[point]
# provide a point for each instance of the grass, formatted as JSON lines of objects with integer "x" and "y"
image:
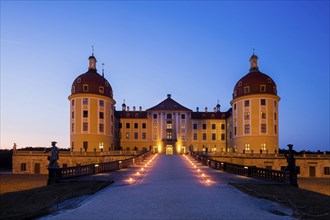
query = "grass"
{"x": 27, "y": 204}
{"x": 304, "y": 203}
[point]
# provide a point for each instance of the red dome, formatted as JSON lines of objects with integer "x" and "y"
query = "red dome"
{"x": 255, "y": 82}
{"x": 91, "y": 82}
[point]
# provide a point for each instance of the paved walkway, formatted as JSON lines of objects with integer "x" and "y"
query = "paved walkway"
{"x": 171, "y": 188}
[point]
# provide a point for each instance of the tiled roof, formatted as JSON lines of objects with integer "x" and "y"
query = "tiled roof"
{"x": 131, "y": 114}
{"x": 169, "y": 105}
{"x": 210, "y": 115}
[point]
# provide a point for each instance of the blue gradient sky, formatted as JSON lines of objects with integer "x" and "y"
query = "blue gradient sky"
{"x": 196, "y": 51}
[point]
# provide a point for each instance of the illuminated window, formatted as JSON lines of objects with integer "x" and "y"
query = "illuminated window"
{"x": 263, "y": 146}
{"x": 154, "y": 135}
{"x": 127, "y": 135}
{"x": 262, "y": 88}
{"x": 101, "y": 103}
{"x": 262, "y": 101}
{"x": 246, "y": 103}
{"x": 263, "y": 128}
{"x": 101, "y": 127}
{"x": 168, "y": 125}
{"x": 247, "y": 115}
{"x": 247, "y": 129}
{"x": 101, "y": 89}
{"x": 85, "y": 126}
{"x": 183, "y": 125}
{"x": 85, "y": 114}
{"x": 101, "y": 115}
{"x": 169, "y": 135}
{"x": 263, "y": 115}
{"x": 246, "y": 89}
{"x": 155, "y": 125}
{"x": 85, "y": 101}
{"x": 85, "y": 88}
{"x": 195, "y": 136}
{"x": 183, "y": 136}
{"x": 247, "y": 147}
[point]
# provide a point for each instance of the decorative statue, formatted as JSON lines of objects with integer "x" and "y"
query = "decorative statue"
{"x": 14, "y": 147}
{"x": 53, "y": 156}
{"x": 290, "y": 158}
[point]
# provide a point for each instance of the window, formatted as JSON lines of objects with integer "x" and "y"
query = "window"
{"x": 169, "y": 135}
{"x": 213, "y": 126}
{"x": 73, "y": 90}
{"x": 247, "y": 129}
{"x": 263, "y": 128}
{"x": 85, "y": 101}
{"x": 168, "y": 125}
{"x": 262, "y": 101}
{"x": 247, "y": 115}
{"x": 136, "y": 135}
{"x": 155, "y": 116}
{"x": 247, "y": 147}
{"x": 263, "y": 115}
{"x": 235, "y": 93}
{"x": 78, "y": 80}
{"x": 128, "y": 125}
{"x": 246, "y": 103}
{"x": 204, "y": 136}
{"x": 72, "y": 127}
{"x": 144, "y": 125}
{"x": 326, "y": 170}
{"x": 85, "y": 88}
{"x": 246, "y": 89}
{"x": 274, "y": 90}
{"x": 214, "y": 137}
{"x": 235, "y": 130}
{"x": 85, "y": 126}
{"x": 127, "y": 135}
{"x": 155, "y": 125}
{"x": 72, "y": 114}
{"x": 204, "y": 126}
{"x": 275, "y": 116}
{"x": 275, "y": 129}
{"x": 72, "y": 102}
{"x": 275, "y": 103}
{"x": 23, "y": 166}
{"x": 85, "y": 144}
{"x": 120, "y": 136}
{"x": 144, "y": 135}
{"x": 65, "y": 165}
{"x": 183, "y": 116}
{"x": 183, "y": 126}
{"x": 154, "y": 136}
{"x": 85, "y": 114}
{"x": 101, "y": 127}
{"x": 222, "y": 126}
{"x": 101, "y": 103}
{"x": 101, "y": 89}
{"x": 269, "y": 80}
{"x": 195, "y": 136}
{"x": 235, "y": 106}
{"x": 263, "y": 146}
{"x": 195, "y": 126}
{"x": 262, "y": 88}
{"x": 223, "y": 137}
{"x": 101, "y": 115}
{"x": 169, "y": 116}
{"x": 183, "y": 136}
{"x": 120, "y": 125}
{"x": 136, "y": 125}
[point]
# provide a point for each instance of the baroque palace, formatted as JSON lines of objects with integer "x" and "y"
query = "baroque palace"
{"x": 169, "y": 127}
{"x": 245, "y": 134}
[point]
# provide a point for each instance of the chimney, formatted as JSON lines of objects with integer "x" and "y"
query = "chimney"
{"x": 140, "y": 108}
{"x": 128, "y": 108}
{"x": 205, "y": 109}
{"x": 133, "y": 108}
{"x": 197, "y": 109}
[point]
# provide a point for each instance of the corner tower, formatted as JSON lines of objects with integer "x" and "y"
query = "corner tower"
{"x": 91, "y": 112}
{"x": 255, "y": 112}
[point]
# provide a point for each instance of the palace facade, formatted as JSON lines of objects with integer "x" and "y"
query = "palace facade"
{"x": 250, "y": 125}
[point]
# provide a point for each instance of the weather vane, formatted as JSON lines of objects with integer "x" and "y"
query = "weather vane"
{"x": 92, "y": 50}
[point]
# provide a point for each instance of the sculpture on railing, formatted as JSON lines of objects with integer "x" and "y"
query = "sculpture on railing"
{"x": 291, "y": 170}
{"x": 54, "y": 156}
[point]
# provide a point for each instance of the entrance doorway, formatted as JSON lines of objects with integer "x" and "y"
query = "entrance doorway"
{"x": 312, "y": 171}
{"x": 37, "y": 168}
{"x": 169, "y": 150}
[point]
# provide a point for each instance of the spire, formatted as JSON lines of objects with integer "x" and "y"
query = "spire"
{"x": 123, "y": 105}
{"x": 92, "y": 61}
{"x": 103, "y": 70}
{"x": 254, "y": 62}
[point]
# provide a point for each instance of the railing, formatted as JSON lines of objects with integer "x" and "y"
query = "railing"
{"x": 85, "y": 170}
{"x": 250, "y": 171}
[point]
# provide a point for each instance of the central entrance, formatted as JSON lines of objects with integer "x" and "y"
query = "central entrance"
{"x": 169, "y": 150}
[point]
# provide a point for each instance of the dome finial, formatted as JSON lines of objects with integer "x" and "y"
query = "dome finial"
{"x": 254, "y": 61}
{"x": 92, "y": 61}
{"x": 92, "y": 50}
{"x": 103, "y": 69}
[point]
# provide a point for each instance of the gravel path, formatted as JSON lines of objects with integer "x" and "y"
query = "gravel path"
{"x": 171, "y": 188}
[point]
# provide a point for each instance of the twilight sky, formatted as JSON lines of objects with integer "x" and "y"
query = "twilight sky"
{"x": 196, "y": 51}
